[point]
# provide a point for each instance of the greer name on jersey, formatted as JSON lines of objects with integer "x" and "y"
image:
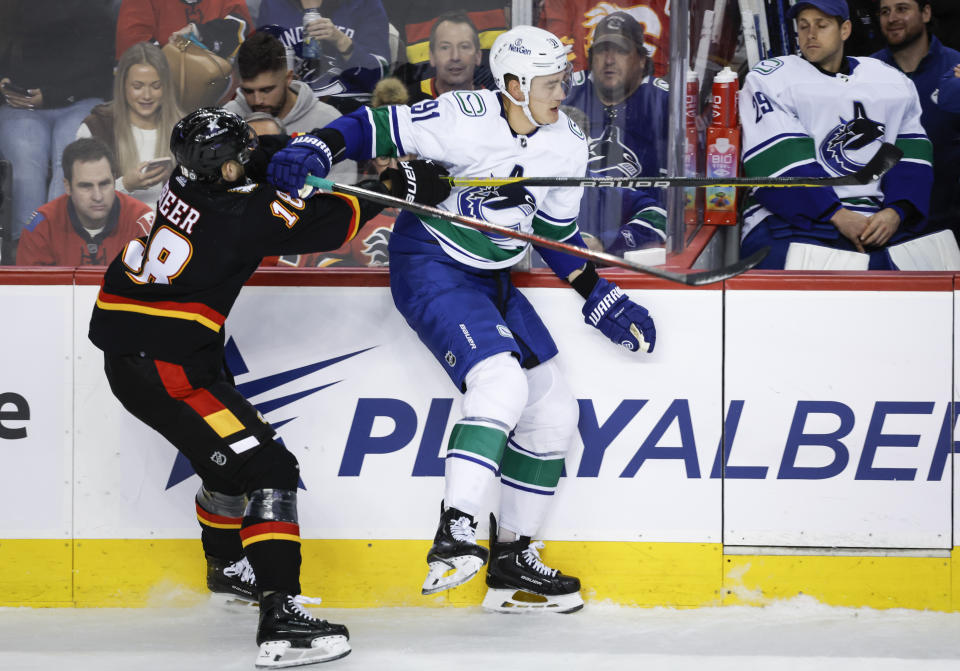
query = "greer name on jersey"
{"x": 468, "y": 133}
{"x": 801, "y": 121}
{"x": 168, "y": 294}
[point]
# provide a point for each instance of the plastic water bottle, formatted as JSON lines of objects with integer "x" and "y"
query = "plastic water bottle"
{"x": 724, "y": 92}
{"x": 311, "y": 46}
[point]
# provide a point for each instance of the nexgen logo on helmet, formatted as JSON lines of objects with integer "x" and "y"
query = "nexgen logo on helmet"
{"x": 519, "y": 48}
{"x": 526, "y": 52}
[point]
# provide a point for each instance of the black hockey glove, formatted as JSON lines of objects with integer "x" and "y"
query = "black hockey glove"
{"x": 423, "y": 182}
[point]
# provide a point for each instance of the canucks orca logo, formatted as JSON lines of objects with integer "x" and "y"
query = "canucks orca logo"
{"x": 852, "y": 143}
{"x": 507, "y": 205}
{"x": 611, "y": 157}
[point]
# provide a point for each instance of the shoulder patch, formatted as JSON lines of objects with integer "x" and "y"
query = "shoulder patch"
{"x": 470, "y": 102}
{"x": 35, "y": 220}
{"x": 246, "y": 188}
{"x": 767, "y": 66}
{"x": 575, "y": 129}
{"x": 661, "y": 83}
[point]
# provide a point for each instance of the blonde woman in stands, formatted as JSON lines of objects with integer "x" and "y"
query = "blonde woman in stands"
{"x": 137, "y": 123}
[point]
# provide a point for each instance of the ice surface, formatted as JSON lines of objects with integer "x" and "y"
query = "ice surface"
{"x": 795, "y": 634}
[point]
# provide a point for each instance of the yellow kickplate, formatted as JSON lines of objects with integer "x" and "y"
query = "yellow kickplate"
{"x": 875, "y": 582}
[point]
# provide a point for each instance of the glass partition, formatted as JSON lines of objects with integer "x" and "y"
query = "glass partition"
{"x": 652, "y": 88}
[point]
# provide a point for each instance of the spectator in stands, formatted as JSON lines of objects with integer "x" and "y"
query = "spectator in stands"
{"x": 415, "y": 21}
{"x": 267, "y": 85}
{"x": 56, "y": 61}
{"x": 220, "y": 25}
{"x": 91, "y": 223}
{"x": 574, "y": 21}
{"x": 824, "y": 115}
{"x": 627, "y": 114}
{"x": 455, "y": 55}
{"x": 137, "y": 123}
{"x": 913, "y": 50}
{"x": 353, "y": 37}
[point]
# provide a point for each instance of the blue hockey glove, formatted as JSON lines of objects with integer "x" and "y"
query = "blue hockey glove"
{"x": 619, "y": 318}
{"x": 289, "y": 167}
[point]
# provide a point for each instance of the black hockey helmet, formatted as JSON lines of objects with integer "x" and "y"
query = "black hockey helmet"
{"x": 206, "y": 138}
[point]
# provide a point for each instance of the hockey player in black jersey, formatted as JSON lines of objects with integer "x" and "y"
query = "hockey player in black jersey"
{"x": 159, "y": 320}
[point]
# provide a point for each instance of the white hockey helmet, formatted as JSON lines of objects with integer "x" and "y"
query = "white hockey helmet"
{"x": 526, "y": 52}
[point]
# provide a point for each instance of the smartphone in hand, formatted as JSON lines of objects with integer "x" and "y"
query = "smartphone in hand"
{"x": 156, "y": 162}
{"x": 10, "y": 87}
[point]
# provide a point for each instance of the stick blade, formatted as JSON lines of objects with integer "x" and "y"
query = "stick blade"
{"x": 725, "y": 273}
{"x": 886, "y": 157}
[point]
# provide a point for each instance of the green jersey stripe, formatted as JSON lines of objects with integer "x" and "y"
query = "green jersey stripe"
{"x": 383, "y": 137}
{"x": 780, "y": 156}
{"x": 553, "y": 231}
{"x": 918, "y": 148}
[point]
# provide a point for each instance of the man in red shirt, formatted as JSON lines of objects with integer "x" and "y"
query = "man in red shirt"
{"x": 91, "y": 223}
{"x": 219, "y": 24}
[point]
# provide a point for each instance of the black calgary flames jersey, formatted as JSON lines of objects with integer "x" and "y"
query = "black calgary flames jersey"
{"x": 168, "y": 294}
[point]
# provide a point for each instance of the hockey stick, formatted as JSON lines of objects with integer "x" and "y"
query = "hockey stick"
{"x": 885, "y": 158}
{"x": 690, "y": 279}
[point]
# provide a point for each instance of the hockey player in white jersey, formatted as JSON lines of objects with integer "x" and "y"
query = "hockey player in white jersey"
{"x": 822, "y": 115}
{"x": 453, "y": 286}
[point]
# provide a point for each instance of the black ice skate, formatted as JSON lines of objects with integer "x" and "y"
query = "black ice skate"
{"x": 455, "y": 556}
{"x": 289, "y": 636}
{"x": 519, "y": 582}
{"x": 232, "y": 580}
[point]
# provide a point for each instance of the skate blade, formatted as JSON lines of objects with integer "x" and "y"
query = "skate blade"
{"x": 521, "y": 601}
{"x": 232, "y": 601}
{"x": 463, "y": 569}
{"x": 280, "y": 654}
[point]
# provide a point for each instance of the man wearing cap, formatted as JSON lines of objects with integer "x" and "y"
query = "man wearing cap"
{"x": 574, "y": 21}
{"x": 827, "y": 114}
{"x": 915, "y": 51}
{"x": 627, "y": 113}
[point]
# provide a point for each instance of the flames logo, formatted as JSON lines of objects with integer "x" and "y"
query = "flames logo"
{"x": 375, "y": 246}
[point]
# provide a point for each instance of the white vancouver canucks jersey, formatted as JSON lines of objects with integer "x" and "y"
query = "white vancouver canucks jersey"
{"x": 794, "y": 115}
{"x": 467, "y": 132}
